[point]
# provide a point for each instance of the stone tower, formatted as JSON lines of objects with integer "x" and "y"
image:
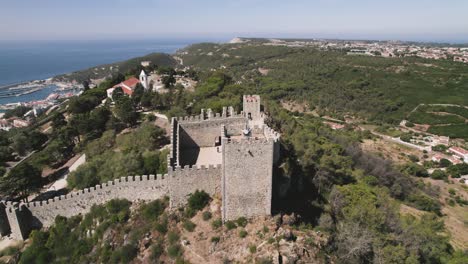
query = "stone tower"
{"x": 144, "y": 80}
{"x": 247, "y": 177}
{"x": 251, "y": 107}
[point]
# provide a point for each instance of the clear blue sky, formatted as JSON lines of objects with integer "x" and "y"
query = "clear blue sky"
{"x": 427, "y": 20}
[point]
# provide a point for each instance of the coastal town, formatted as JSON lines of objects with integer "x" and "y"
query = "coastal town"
{"x": 63, "y": 90}
{"x": 385, "y": 49}
{"x": 59, "y": 92}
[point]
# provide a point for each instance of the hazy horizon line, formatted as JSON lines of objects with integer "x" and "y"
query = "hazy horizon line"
{"x": 227, "y": 38}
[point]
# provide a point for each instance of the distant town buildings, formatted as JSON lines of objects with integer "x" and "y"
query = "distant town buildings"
{"x": 380, "y": 48}
{"x": 460, "y": 152}
{"x": 18, "y": 123}
{"x": 5, "y": 124}
{"x": 440, "y": 140}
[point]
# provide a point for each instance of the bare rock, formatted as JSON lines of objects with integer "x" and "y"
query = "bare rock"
{"x": 286, "y": 233}
{"x": 289, "y": 219}
{"x": 277, "y": 220}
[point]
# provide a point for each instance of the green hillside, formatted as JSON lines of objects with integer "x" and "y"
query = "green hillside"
{"x": 106, "y": 70}
{"x": 380, "y": 89}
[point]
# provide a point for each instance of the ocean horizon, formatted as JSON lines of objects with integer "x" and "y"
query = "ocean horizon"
{"x": 23, "y": 61}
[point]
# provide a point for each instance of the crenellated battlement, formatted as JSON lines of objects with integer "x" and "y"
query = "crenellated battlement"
{"x": 248, "y": 141}
{"x": 132, "y": 188}
{"x": 209, "y": 115}
{"x": 270, "y": 133}
{"x": 196, "y": 167}
{"x": 251, "y": 98}
{"x": 110, "y": 185}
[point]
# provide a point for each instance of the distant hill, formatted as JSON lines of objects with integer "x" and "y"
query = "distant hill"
{"x": 105, "y": 70}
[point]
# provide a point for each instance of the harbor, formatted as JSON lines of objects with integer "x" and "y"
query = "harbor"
{"x": 34, "y": 93}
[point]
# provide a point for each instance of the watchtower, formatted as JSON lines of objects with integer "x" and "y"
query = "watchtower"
{"x": 251, "y": 107}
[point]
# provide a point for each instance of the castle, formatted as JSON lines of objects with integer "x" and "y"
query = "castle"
{"x": 228, "y": 155}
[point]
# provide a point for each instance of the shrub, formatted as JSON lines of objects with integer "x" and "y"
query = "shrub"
{"x": 151, "y": 211}
{"x": 415, "y": 170}
{"x": 438, "y": 175}
{"x": 150, "y": 118}
{"x": 173, "y": 237}
{"x": 124, "y": 255}
{"x": 242, "y": 233}
{"x": 406, "y": 137}
{"x": 215, "y": 239}
{"x": 451, "y": 202}
{"x": 9, "y": 251}
{"x": 423, "y": 202}
{"x": 265, "y": 229}
{"x": 161, "y": 226}
{"x": 174, "y": 251}
{"x": 198, "y": 200}
{"x": 440, "y": 148}
{"x": 230, "y": 225}
{"x": 217, "y": 223}
{"x": 452, "y": 191}
{"x": 413, "y": 158}
{"x": 252, "y": 249}
{"x": 241, "y": 221}
{"x": 206, "y": 216}
{"x": 189, "y": 225}
{"x": 265, "y": 260}
{"x": 271, "y": 240}
{"x": 444, "y": 163}
{"x": 461, "y": 201}
{"x": 189, "y": 212}
{"x": 156, "y": 251}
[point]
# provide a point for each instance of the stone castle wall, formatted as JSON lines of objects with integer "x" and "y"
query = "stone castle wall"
{"x": 203, "y": 133}
{"x": 173, "y": 155}
{"x": 186, "y": 180}
{"x": 247, "y": 178}
{"x": 43, "y": 213}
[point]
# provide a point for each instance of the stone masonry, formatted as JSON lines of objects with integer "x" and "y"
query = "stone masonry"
{"x": 240, "y": 148}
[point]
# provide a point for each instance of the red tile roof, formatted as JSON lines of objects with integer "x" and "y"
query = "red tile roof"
{"x": 127, "y": 91}
{"x": 459, "y": 150}
{"x": 128, "y": 85}
{"x": 132, "y": 82}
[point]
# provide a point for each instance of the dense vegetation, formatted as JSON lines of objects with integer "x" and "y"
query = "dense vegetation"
{"x": 111, "y": 157}
{"x": 381, "y": 89}
{"x": 110, "y": 233}
{"x": 444, "y": 119}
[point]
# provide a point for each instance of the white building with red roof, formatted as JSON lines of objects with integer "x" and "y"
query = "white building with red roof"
{"x": 334, "y": 126}
{"x": 128, "y": 86}
{"x": 460, "y": 152}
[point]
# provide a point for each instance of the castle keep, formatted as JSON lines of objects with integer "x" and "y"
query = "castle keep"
{"x": 229, "y": 155}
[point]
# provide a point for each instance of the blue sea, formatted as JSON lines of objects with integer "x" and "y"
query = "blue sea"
{"x": 37, "y": 60}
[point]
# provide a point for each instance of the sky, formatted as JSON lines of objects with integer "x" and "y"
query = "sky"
{"x": 419, "y": 20}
